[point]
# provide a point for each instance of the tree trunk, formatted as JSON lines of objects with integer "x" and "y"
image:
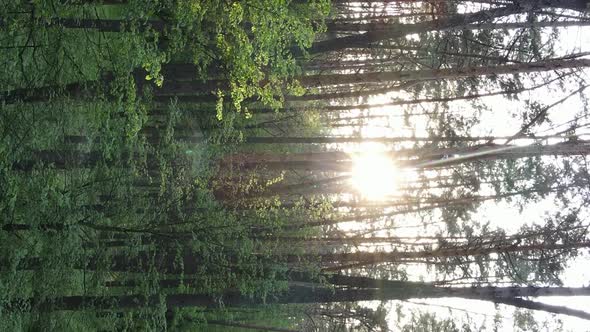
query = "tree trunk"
{"x": 431, "y": 158}
{"x": 437, "y": 74}
{"x": 297, "y": 294}
{"x": 249, "y": 326}
{"x": 482, "y": 250}
{"x": 397, "y": 31}
{"x": 355, "y": 27}
{"x": 532, "y": 305}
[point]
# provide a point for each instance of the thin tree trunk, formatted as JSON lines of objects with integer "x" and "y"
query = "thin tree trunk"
{"x": 353, "y": 139}
{"x": 382, "y": 257}
{"x": 338, "y": 108}
{"x": 355, "y": 27}
{"x": 249, "y": 326}
{"x": 444, "y": 73}
{"x": 532, "y": 305}
{"x": 434, "y": 158}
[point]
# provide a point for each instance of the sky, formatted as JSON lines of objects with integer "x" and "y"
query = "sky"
{"x": 499, "y": 122}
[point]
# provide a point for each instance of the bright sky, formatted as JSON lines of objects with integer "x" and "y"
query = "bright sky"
{"x": 499, "y": 122}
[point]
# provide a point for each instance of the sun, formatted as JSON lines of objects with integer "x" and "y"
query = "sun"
{"x": 373, "y": 176}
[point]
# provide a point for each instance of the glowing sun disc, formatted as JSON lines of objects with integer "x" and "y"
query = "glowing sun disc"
{"x": 373, "y": 176}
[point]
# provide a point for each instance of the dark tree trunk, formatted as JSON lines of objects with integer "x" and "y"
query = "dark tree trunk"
{"x": 396, "y": 31}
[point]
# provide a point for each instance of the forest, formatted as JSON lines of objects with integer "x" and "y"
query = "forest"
{"x": 294, "y": 165}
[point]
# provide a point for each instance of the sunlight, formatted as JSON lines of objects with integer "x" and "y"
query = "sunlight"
{"x": 373, "y": 176}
